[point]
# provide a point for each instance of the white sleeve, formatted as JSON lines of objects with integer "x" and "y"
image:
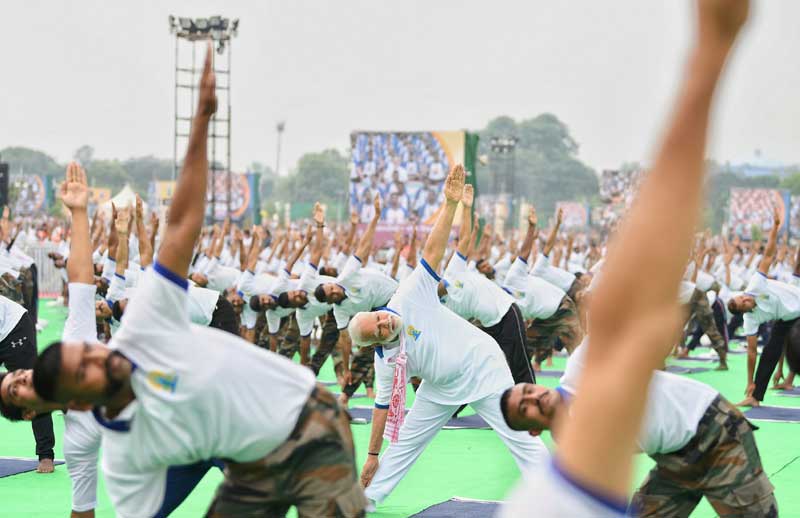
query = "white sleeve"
{"x": 245, "y": 283}
{"x": 160, "y": 307}
{"x": 308, "y": 281}
{"x": 750, "y": 324}
{"x": 116, "y": 290}
{"x": 342, "y": 318}
{"x": 80, "y": 324}
{"x": 517, "y": 274}
{"x": 384, "y": 377}
{"x": 109, "y": 265}
{"x": 757, "y": 284}
{"x": 421, "y": 287}
{"x": 248, "y": 317}
{"x": 458, "y": 264}
{"x": 352, "y": 266}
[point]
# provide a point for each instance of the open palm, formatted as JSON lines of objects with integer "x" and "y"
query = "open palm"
{"x": 74, "y": 190}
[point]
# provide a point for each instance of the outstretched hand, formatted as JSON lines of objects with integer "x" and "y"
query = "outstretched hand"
{"x": 75, "y": 190}
{"x": 468, "y": 196}
{"x": 533, "y": 219}
{"x": 318, "y": 215}
{"x": 454, "y": 184}
{"x": 721, "y": 20}
{"x": 207, "y": 99}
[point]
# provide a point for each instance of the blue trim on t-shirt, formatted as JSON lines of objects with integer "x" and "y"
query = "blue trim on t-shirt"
{"x": 430, "y": 270}
{"x": 764, "y": 274}
{"x": 613, "y": 504}
{"x": 566, "y": 396}
{"x": 461, "y": 256}
{"x": 170, "y": 275}
{"x": 120, "y": 276}
{"x": 524, "y": 261}
{"x": 312, "y": 265}
{"x": 381, "y": 407}
{"x": 240, "y": 293}
{"x": 116, "y": 425}
{"x": 358, "y": 259}
{"x": 384, "y": 308}
{"x": 379, "y": 351}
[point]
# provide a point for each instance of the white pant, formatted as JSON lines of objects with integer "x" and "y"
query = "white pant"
{"x": 82, "y": 436}
{"x": 422, "y": 423}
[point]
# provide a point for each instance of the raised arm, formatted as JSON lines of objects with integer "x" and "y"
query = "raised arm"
{"x": 551, "y": 239}
{"x": 365, "y": 244}
{"x": 797, "y": 261}
{"x": 187, "y": 210}
{"x": 399, "y": 240}
{"x": 319, "y": 239}
{"x": 75, "y": 196}
{"x": 411, "y": 258}
{"x": 437, "y": 239}
{"x": 255, "y": 250}
{"x": 465, "y": 232}
{"x": 772, "y": 242}
{"x": 634, "y": 309}
{"x": 299, "y": 252}
{"x": 145, "y": 244}
{"x": 122, "y": 224}
{"x": 525, "y": 248}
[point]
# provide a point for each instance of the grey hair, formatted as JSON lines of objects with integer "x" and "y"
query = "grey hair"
{"x": 354, "y": 329}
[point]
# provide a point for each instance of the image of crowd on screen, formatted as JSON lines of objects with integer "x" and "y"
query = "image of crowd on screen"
{"x": 406, "y": 170}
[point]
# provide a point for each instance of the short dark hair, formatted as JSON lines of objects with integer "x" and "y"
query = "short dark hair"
{"x": 46, "y": 371}
{"x": 793, "y": 348}
{"x": 734, "y": 308}
{"x": 7, "y": 410}
{"x": 283, "y": 299}
{"x": 116, "y": 311}
{"x": 255, "y": 303}
{"x": 330, "y": 271}
{"x": 504, "y": 407}
{"x": 319, "y": 293}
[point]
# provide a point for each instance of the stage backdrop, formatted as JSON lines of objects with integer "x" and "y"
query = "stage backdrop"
{"x": 407, "y": 170}
{"x": 753, "y": 207}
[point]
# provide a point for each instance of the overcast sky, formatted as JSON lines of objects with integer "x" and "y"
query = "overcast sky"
{"x": 101, "y": 73}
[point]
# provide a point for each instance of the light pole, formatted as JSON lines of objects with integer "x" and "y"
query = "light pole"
{"x": 505, "y": 146}
{"x": 280, "y": 127}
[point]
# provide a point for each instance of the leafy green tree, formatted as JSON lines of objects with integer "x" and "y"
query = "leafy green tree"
{"x": 792, "y": 183}
{"x": 23, "y": 160}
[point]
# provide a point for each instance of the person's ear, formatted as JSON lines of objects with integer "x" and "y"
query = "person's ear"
{"x": 28, "y": 415}
{"x": 534, "y": 433}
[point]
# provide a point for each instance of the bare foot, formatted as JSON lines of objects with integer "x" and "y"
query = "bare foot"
{"x": 783, "y": 386}
{"x": 46, "y": 466}
{"x": 749, "y": 401}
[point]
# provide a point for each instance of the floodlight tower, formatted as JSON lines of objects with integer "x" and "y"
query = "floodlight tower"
{"x": 189, "y": 32}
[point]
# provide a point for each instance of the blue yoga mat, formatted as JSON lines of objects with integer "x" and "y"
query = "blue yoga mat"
{"x": 460, "y": 507}
{"x": 354, "y": 396}
{"x": 795, "y": 392}
{"x": 549, "y": 374}
{"x": 470, "y": 422}
{"x": 14, "y": 466}
{"x": 680, "y": 369}
{"x": 328, "y": 383}
{"x": 363, "y": 415}
{"x": 780, "y": 414}
{"x": 695, "y": 359}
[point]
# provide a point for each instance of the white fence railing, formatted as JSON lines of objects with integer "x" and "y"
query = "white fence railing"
{"x": 50, "y": 280}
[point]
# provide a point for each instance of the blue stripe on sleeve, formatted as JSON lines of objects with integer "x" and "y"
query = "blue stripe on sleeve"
{"x": 430, "y": 270}
{"x": 170, "y": 275}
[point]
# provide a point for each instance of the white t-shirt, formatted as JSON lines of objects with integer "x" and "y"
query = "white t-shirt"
{"x": 81, "y": 324}
{"x": 685, "y": 292}
{"x": 202, "y": 303}
{"x": 535, "y": 297}
{"x": 457, "y": 362}
{"x": 199, "y": 395}
{"x": 775, "y": 300}
{"x": 365, "y": 288}
{"x": 251, "y": 284}
{"x": 220, "y": 277}
{"x": 549, "y": 492}
{"x": 675, "y": 405}
{"x": 555, "y": 276}
{"x": 314, "y": 309}
{"x": 472, "y": 296}
{"x": 10, "y": 315}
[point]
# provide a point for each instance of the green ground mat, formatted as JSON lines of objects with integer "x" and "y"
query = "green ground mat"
{"x": 464, "y": 463}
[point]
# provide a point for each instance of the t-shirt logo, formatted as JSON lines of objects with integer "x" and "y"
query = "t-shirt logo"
{"x": 163, "y": 381}
{"x": 458, "y": 284}
{"x": 413, "y": 332}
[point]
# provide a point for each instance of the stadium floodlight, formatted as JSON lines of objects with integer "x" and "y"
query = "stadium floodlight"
{"x": 186, "y": 24}
{"x": 201, "y": 24}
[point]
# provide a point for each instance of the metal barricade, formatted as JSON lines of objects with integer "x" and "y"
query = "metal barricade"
{"x": 50, "y": 279}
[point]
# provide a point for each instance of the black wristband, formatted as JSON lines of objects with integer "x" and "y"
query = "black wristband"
{"x": 373, "y": 453}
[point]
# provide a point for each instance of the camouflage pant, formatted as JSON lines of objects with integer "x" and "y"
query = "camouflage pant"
{"x": 362, "y": 368}
{"x": 327, "y": 345}
{"x": 721, "y": 462}
{"x": 563, "y": 327}
{"x": 288, "y": 337}
{"x": 11, "y": 289}
{"x": 701, "y": 309}
{"x": 314, "y": 470}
